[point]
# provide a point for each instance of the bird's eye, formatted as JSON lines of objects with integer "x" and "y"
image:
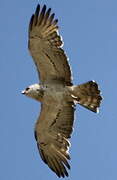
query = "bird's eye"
{"x": 27, "y": 88}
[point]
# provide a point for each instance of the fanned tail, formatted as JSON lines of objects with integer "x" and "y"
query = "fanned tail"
{"x": 87, "y": 95}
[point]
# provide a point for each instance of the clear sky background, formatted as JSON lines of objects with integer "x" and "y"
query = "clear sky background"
{"x": 89, "y": 30}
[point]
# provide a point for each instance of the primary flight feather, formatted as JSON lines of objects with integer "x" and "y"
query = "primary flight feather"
{"x": 57, "y": 94}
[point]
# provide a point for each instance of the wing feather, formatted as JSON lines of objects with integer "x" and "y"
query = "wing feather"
{"x": 53, "y": 142}
{"x": 55, "y": 166}
{"x": 35, "y": 20}
{"x": 45, "y": 47}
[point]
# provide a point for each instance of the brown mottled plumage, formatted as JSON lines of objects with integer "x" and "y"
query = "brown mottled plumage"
{"x": 56, "y": 93}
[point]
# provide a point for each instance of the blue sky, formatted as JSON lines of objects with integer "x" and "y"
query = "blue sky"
{"x": 89, "y": 30}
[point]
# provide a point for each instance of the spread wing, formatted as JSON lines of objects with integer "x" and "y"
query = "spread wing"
{"x": 52, "y": 131}
{"x": 45, "y": 47}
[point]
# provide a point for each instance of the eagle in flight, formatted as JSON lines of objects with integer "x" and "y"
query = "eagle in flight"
{"x": 56, "y": 93}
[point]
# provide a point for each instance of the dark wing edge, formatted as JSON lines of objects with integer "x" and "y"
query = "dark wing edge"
{"x": 45, "y": 47}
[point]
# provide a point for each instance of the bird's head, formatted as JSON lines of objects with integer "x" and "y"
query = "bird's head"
{"x": 34, "y": 91}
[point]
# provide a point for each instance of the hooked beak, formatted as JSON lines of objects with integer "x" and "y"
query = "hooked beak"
{"x": 23, "y": 92}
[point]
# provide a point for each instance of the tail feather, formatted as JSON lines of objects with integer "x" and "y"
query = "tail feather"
{"x": 87, "y": 95}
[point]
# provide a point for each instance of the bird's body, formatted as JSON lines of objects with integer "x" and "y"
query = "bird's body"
{"x": 57, "y": 94}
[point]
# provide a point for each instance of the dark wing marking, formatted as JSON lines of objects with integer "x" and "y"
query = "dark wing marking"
{"x": 52, "y": 131}
{"x": 45, "y": 47}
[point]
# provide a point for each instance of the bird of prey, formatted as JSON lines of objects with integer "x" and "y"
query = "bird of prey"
{"x": 56, "y": 93}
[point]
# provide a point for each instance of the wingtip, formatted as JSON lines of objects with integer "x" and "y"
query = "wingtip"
{"x": 55, "y": 21}
{"x": 49, "y": 10}
{"x": 44, "y": 8}
{"x": 53, "y": 14}
{"x": 31, "y": 22}
{"x": 37, "y": 9}
{"x": 38, "y": 6}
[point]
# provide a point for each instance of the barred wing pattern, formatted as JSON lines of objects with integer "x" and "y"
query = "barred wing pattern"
{"x": 52, "y": 131}
{"x": 45, "y": 47}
